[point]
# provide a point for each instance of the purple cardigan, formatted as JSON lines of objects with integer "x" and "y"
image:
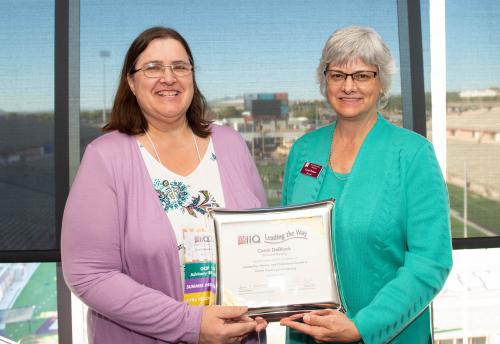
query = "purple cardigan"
{"x": 119, "y": 251}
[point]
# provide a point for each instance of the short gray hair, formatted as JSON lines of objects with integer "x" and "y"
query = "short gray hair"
{"x": 355, "y": 42}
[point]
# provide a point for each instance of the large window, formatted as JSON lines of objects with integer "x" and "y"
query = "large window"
{"x": 466, "y": 309}
{"x": 28, "y": 298}
{"x": 256, "y": 66}
{"x": 473, "y": 117}
{"x": 251, "y": 58}
{"x": 27, "y": 126}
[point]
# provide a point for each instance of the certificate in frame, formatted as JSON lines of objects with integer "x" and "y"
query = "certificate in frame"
{"x": 276, "y": 261}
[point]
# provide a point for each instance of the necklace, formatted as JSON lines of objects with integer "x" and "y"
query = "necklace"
{"x": 156, "y": 151}
{"x": 340, "y": 176}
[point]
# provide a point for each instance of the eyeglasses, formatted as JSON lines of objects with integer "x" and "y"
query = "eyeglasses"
{"x": 157, "y": 70}
{"x": 335, "y": 76}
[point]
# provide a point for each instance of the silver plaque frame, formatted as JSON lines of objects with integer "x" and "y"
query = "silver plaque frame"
{"x": 276, "y": 261}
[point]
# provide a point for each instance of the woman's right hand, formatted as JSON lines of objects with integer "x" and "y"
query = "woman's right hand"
{"x": 225, "y": 325}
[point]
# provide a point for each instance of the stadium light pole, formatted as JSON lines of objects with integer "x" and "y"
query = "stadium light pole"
{"x": 104, "y": 54}
{"x": 466, "y": 234}
{"x": 253, "y": 138}
{"x": 317, "y": 116}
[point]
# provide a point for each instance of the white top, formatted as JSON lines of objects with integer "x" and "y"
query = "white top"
{"x": 185, "y": 200}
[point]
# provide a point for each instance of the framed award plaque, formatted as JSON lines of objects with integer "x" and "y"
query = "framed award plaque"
{"x": 276, "y": 261}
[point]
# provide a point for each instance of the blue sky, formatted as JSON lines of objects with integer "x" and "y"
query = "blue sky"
{"x": 239, "y": 46}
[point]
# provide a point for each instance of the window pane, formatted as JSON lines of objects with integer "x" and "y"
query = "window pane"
{"x": 467, "y": 308}
{"x": 473, "y": 116}
{"x": 27, "y": 125}
{"x": 255, "y": 49}
{"x": 28, "y": 302}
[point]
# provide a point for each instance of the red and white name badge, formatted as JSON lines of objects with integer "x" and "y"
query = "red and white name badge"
{"x": 311, "y": 169}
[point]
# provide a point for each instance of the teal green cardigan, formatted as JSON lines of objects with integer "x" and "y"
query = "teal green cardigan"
{"x": 392, "y": 244}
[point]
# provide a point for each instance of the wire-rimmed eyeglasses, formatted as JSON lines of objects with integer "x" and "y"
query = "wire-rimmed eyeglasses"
{"x": 157, "y": 70}
{"x": 336, "y": 76}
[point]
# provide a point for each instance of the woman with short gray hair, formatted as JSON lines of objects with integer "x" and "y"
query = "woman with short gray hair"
{"x": 391, "y": 243}
{"x": 363, "y": 43}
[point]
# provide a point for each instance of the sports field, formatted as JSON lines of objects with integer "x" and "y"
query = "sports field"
{"x": 482, "y": 161}
{"x": 482, "y": 213}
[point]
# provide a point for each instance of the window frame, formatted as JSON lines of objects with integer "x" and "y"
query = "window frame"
{"x": 67, "y": 129}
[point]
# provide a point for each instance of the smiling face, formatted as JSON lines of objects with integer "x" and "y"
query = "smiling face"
{"x": 164, "y": 101}
{"x": 354, "y": 99}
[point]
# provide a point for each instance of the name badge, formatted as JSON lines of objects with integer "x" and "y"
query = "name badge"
{"x": 311, "y": 169}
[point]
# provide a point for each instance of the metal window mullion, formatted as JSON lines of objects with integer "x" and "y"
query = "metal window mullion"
{"x": 412, "y": 66}
{"x": 66, "y": 132}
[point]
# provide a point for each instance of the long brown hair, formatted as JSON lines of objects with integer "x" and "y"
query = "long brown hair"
{"x": 126, "y": 115}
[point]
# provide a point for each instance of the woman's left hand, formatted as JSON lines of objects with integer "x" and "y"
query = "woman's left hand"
{"x": 261, "y": 324}
{"x": 324, "y": 326}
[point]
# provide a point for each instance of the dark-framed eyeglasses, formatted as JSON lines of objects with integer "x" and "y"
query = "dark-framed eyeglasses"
{"x": 157, "y": 70}
{"x": 336, "y": 76}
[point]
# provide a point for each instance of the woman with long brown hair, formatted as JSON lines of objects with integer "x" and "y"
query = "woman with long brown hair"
{"x": 136, "y": 245}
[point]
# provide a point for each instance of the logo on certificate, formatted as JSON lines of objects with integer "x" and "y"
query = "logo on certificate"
{"x": 248, "y": 239}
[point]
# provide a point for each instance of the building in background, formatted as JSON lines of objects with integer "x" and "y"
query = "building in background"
{"x": 267, "y": 106}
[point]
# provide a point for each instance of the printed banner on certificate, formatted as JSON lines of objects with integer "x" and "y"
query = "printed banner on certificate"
{"x": 276, "y": 260}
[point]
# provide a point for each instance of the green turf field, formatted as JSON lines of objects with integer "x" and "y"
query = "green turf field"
{"x": 41, "y": 292}
{"x": 481, "y": 210}
{"x": 272, "y": 176}
{"x": 457, "y": 230}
